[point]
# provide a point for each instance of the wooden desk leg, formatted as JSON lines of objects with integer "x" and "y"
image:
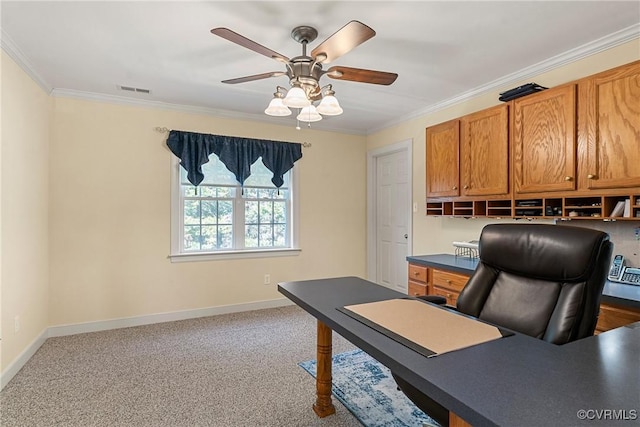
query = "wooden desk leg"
{"x": 323, "y": 406}
{"x": 456, "y": 421}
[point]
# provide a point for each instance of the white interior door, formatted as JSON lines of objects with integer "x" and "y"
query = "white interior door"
{"x": 391, "y": 217}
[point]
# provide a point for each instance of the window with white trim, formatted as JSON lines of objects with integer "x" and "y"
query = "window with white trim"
{"x": 220, "y": 217}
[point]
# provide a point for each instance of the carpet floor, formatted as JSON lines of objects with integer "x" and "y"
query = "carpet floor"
{"x": 229, "y": 370}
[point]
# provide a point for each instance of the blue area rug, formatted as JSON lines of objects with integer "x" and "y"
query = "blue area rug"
{"x": 367, "y": 389}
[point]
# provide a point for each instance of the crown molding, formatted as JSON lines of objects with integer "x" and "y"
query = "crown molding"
{"x": 225, "y": 114}
{"x": 9, "y": 46}
{"x": 596, "y": 46}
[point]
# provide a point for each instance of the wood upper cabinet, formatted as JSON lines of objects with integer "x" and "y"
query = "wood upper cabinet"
{"x": 484, "y": 152}
{"x": 544, "y": 142}
{"x": 610, "y": 128}
{"x": 442, "y": 159}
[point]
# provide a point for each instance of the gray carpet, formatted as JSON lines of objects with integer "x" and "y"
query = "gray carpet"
{"x": 229, "y": 370}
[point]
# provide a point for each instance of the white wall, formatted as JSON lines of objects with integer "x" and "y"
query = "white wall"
{"x": 24, "y": 267}
{"x": 435, "y": 234}
{"x": 110, "y": 216}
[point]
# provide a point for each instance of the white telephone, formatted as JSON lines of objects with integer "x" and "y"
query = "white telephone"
{"x": 620, "y": 273}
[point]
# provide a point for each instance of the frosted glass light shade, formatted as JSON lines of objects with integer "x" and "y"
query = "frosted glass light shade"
{"x": 309, "y": 114}
{"x": 296, "y": 98}
{"x": 277, "y": 108}
{"x": 329, "y": 106}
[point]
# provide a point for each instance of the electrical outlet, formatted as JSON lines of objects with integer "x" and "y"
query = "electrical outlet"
{"x": 267, "y": 279}
{"x": 16, "y": 324}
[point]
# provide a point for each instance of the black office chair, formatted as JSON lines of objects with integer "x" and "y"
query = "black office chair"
{"x": 541, "y": 280}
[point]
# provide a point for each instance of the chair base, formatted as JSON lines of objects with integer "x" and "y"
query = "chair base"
{"x": 427, "y": 405}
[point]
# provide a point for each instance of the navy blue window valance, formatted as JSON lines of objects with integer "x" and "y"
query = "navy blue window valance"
{"x": 237, "y": 154}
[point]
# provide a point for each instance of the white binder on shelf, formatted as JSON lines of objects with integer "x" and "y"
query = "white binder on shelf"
{"x": 618, "y": 210}
{"x": 627, "y": 208}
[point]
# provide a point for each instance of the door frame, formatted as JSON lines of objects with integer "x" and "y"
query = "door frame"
{"x": 405, "y": 146}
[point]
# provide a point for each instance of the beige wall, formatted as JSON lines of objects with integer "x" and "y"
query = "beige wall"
{"x": 110, "y": 216}
{"x": 24, "y": 285}
{"x": 434, "y": 235}
{"x": 86, "y": 198}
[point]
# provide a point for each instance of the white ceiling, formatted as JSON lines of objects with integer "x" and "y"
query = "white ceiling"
{"x": 442, "y": 51}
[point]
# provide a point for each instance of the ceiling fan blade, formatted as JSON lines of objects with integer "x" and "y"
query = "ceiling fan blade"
{"x": 236, "y": 38}
{"x": 361, "y": 75}
{"x": 342, "y": 41}
{"x": 255, "y": 77}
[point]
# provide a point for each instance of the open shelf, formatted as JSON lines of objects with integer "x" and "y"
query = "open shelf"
{"x": 564, "y": 208}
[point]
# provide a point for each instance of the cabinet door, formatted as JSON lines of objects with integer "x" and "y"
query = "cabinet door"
{"x": 484, "y": 152}
{"x": 612, "y": 316}
{"x": 442, "y": 162}
{"x": 544, "y": 143}
{"x": 610, "y": 122}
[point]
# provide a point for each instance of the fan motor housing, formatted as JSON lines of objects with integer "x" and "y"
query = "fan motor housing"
{"x": 305, "y": 71}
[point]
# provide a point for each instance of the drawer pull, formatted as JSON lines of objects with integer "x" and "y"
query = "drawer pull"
{"x": 591, "y": 176}
{"x": 416, "y": 273}
{"x": 448, "y": 281}
{"x": 568, "y": 178}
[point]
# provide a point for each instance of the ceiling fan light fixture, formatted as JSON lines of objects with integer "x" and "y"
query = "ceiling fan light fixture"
{"x": 276, "y": 108}
{"x": 305, "y": 71}
{"x": 309, "y": 114}
{"x": 296, "y": 98}
{"x": 329, "y": 106}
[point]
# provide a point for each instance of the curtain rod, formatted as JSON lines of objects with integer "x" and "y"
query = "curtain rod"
{"x": 165, "y": 130}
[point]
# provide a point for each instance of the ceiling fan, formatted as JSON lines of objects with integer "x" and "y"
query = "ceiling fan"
{"x": 305, "y": 71}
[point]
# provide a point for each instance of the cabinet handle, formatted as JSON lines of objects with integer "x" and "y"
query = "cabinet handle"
{"x": 448, "y": 281}
{"x": 591, "y": 176}
{"x": 416, "y": 273}
{"x": 466, "y": 187}
{"x": 455, "y": 187}
{"x": 568, "y": 178}
{"x": 448, "y": 295}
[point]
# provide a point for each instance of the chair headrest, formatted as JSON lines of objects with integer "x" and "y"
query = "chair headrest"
{"x": 542, "y": 251}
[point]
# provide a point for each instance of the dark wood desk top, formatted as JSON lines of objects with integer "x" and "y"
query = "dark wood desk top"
{"x": 514, "y": 381}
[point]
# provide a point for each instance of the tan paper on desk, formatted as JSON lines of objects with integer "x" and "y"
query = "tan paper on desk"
{"x": 430, "y": 327}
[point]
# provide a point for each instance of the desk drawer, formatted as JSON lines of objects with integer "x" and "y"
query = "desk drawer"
{"x": 612, "y": 317}
{"x": 447, "y": 280}
{"x": 417, "y": 273}
{"x": 451, "y": 296}
{"x": 417, "y": 288}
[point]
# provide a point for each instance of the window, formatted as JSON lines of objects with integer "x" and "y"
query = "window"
{"x": 221, "y": 218}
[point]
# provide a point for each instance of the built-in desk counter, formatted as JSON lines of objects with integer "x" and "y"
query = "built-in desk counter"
{"x": 445, "y": 274}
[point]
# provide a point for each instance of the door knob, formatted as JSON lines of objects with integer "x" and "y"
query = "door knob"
{"x": 406, "y": 236}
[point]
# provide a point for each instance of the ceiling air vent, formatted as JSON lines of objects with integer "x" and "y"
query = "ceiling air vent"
{"x": 133, "y": 89}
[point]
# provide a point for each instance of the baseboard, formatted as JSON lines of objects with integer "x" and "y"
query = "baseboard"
{"x": 127, "y": 322}
{"x": 103, "y": 325}
{"x": 22, "y": 359}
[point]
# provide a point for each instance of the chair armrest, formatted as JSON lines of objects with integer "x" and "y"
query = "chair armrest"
{"x": 436, "y": 299}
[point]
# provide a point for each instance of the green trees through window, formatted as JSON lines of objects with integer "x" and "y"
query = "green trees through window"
{"x": 220, "y": 215}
